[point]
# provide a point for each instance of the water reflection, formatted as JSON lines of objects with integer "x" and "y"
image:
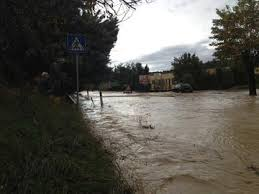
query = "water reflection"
{"x": 205, "y": 142}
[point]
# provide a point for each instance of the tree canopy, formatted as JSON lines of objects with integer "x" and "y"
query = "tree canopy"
{"x": 187, "y": 68}
{"x": 128, "y": 75}
{"x": 33, "y": 34}
{"x": 118, "y": 8}
{"x": 234, "y": 33}
{"x": 236, "y": 30}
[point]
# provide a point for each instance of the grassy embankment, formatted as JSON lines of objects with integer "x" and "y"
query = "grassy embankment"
{"x": 47, "y": 148}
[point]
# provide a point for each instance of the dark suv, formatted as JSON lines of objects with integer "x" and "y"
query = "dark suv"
{"x": 184, "y": 88}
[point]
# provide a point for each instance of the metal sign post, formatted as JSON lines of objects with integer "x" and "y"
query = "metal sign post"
{"x": 76, "y": 44}
{"x": 77, "y": 79}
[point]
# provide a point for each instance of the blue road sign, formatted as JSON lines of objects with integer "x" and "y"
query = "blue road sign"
{"x": 76, "y": 43}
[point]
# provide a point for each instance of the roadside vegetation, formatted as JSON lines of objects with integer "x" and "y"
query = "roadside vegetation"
{"x": 188, "y": 68}
{"x": 46, "y": 147}
{"x": 124, "y": 75}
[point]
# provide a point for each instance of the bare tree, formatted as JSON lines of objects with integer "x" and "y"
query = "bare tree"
{"x": 122, "y": 9}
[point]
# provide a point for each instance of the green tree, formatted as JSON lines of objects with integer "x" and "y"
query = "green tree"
{"x": 101, "y": 34}
{"x": 33, "y": 34}
{"x": 187, "y": 68}
{"x": 128, "y": 74}
{"x": 146, "y": 70}
{"x": 236, "y": 36}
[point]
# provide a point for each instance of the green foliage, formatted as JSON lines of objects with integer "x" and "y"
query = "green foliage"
{"x": 235, "y": 31}
{"x": 101, "y": 35}
{"x": 47, "y": 148}
{"x": 129, "y": 75}
{"x": 101, "y": 41}
{"x": 187, "y": 68}
{"x": 33, "y": 34}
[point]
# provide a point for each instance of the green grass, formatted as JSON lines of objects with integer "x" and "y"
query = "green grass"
{"x": 47, "y": 148}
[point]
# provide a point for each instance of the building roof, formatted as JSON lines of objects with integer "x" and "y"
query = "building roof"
{"x": 162, "y": 72}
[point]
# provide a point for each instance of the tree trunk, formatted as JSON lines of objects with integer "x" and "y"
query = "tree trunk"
{"x": 251, "y": 77}
{"x": 249, "y": 62}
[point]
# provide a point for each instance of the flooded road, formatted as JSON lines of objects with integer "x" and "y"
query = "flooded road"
{"x": 200, "y": 143}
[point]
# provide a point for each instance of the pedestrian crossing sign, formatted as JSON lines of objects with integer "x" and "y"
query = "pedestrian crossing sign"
{"x": 76, "y": 43}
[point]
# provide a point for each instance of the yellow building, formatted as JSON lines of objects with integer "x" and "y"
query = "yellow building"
{"x": 257, "y": 71}
{"x": 161, "y": 81}
{"x": 211, "y": 71}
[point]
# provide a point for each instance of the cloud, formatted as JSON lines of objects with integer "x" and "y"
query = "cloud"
{"x": 164, "y": 24}
{"x": 183, "y": 3}
{"x": 161, "y": 60}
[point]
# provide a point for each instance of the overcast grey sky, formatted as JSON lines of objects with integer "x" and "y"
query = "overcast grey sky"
{"x": 164, "y": 29}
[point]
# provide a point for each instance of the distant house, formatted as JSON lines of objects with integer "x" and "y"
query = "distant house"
{"x": 257, "y": 71}
{"x": 144, "y": 80}
{"x": 158, "y": 81}
{"x": 211, "y": 71}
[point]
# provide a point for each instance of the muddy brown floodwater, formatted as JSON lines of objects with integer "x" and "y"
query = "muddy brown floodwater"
{"x": 200, "y": 143}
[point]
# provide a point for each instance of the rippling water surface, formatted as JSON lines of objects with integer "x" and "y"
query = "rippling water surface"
{"x": 200, "y": 143}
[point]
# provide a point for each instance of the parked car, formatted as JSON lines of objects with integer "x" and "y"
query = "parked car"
{"x": 183, "y": 87}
